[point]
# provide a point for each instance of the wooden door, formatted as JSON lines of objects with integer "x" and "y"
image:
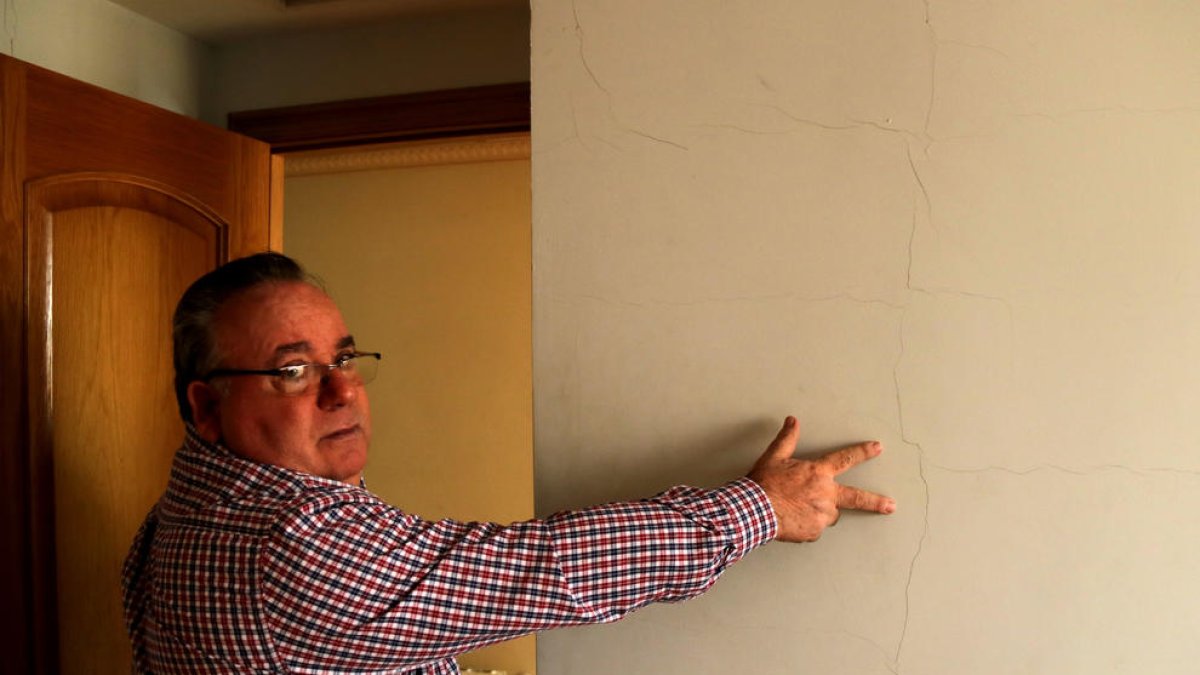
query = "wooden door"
{"x": 109, "y": 208}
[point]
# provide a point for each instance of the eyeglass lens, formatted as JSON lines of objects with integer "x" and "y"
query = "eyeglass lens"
{"x": 359, "y": 369}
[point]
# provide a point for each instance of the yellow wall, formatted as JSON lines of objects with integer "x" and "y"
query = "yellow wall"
{"x": 431, "y": 266}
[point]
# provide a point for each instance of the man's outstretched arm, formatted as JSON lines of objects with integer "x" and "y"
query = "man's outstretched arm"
{"x": 362, "y": 583}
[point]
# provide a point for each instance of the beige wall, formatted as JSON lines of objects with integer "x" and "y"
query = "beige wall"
{"x": 431, "y": 266}
{"x": 109, "y": 46}
{"x": 967, "y": 229}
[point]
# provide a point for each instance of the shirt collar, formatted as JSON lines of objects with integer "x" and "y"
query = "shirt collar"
{"x": 195, "y": 443}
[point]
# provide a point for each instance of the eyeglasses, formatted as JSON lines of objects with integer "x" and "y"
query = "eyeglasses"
{"x": 358, "y": 367}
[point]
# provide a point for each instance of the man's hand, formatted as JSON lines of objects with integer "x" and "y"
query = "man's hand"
{"x": 804, "y": 494}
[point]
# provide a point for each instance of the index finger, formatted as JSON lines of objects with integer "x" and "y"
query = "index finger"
{"x": 861, "y": 500}
{"x": 840, "y": 461}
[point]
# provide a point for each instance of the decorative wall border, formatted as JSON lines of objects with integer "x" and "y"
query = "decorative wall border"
{"x": 461, "y": 150}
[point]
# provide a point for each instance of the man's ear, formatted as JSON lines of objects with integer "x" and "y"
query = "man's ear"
{"x": 205, "y": 401}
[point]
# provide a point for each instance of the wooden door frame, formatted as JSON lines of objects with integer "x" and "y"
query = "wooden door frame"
{"x": 16, "y": 522}
{"x": 487, "y": 109}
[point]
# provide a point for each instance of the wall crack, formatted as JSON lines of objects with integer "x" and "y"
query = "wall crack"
{"x": 612, "y": 112}
{"x": 1074, "y": 471}
{"x": 912, "y": 566}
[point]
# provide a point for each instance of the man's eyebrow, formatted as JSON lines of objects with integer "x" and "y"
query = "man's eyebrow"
{"x": 305, "y": 347}
{"x": 302, "y": 346}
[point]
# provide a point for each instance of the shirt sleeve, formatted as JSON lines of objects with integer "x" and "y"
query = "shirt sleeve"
{"x": 361, "y": 585}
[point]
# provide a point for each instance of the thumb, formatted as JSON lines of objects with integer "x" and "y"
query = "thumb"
{"x": 784, "y": 445}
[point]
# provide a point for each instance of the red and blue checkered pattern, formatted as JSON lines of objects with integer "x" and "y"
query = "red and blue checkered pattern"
{"x": 245, "y": 567}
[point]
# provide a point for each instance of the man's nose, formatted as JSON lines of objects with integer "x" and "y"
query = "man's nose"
{"x": 336, "y": 390}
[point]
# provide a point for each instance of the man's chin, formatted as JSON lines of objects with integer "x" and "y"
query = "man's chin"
{"x": 345, "y": 454}
{"x": 348, "y": 472}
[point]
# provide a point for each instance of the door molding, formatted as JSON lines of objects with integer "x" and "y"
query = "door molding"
{"x": 434, "y": 152}
{"x": 488, "y": 109}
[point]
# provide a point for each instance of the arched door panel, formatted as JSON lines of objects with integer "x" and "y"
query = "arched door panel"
{"x": 113, "y": 253}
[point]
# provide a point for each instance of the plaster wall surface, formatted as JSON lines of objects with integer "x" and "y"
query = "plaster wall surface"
{"x": 968, "y": 230}
{"x": 109, "y": 46}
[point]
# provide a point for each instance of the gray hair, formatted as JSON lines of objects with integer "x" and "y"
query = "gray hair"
{"x": 192, "y": 327}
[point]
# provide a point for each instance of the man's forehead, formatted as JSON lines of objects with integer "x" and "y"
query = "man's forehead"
{"x": 282, "y": 292}
{"x": 292, "y": 315}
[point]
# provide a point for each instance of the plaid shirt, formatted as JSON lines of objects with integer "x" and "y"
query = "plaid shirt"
{"x": 245, "y": 567}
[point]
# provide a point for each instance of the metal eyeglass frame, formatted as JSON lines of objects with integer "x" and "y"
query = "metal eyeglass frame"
{"x": 300, "y": 371}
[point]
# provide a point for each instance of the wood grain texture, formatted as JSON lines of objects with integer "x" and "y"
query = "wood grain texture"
{"x": 119, "y": 265}
{"x": 38, "y": 322}
{"x": 473, "y": 110}
{"x": 75, "y": 127}
{"x": 108, "y": 255}
{"x": 278, "y": 174}
{"x": 15, "y": 565}
{"x": 250, "y": 165}
{"x": 110, "y": 207}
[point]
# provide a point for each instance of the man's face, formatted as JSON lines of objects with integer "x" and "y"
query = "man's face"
{"x": 325, "y": 430}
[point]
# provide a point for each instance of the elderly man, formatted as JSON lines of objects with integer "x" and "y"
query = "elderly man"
{"x": 267, "y": 554}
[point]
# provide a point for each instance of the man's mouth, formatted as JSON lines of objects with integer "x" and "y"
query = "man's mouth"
{"x": 344, "y": 432}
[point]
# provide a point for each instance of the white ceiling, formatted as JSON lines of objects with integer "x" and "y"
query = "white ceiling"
{"x": 220, "y": 20}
